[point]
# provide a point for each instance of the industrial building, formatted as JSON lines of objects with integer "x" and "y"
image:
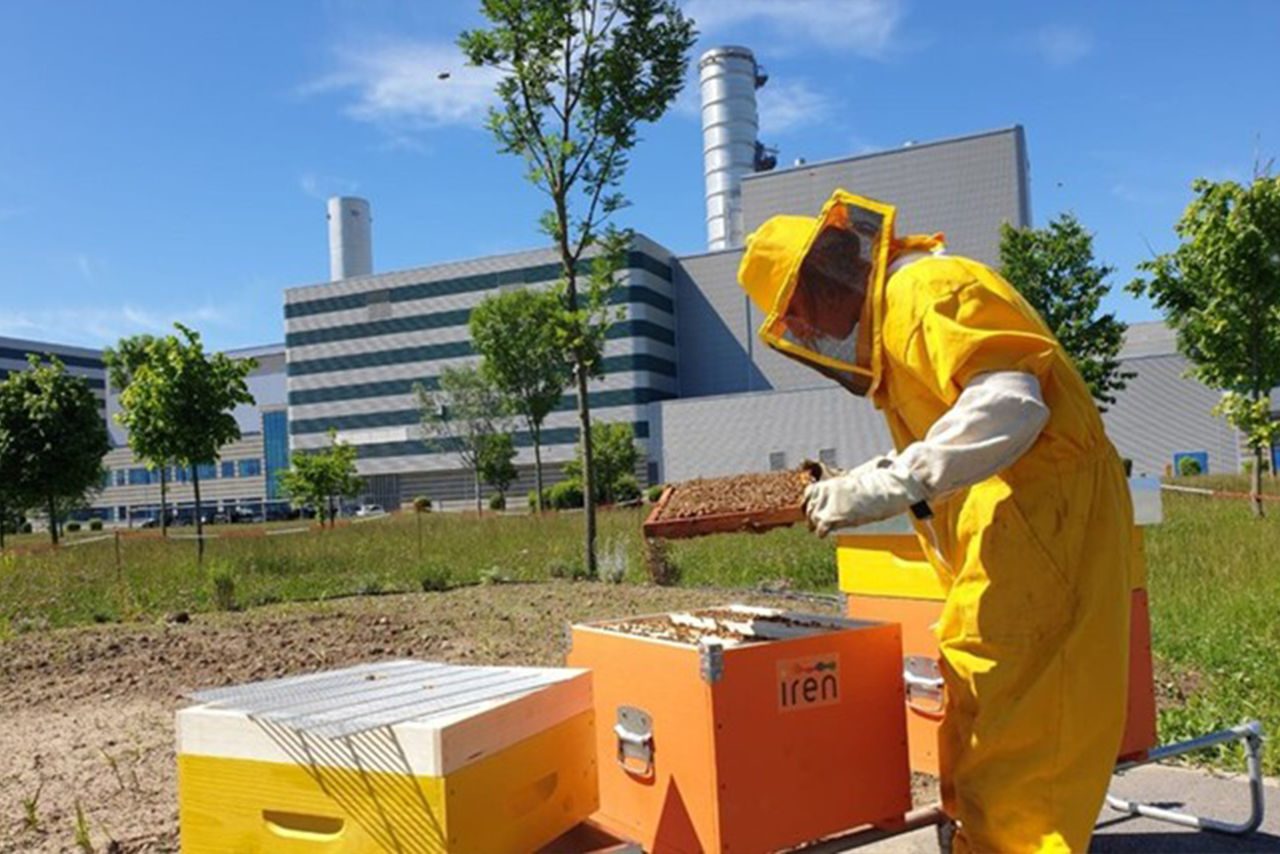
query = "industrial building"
{"x": 681, "y": 363}
{"x": 684, "y": 360}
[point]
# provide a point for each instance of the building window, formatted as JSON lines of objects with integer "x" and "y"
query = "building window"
{"x": 378, "y": 304}
{"x": 249, "y": 468}
{"x": 122, "y": 476}
{"x": 181, "y": 474}
{"x": 777, "y": 461}
{"x": 275, "y": 446}
{"x": 207, "y": 471}
{"x": 228, "y": 468}
{"x": 139, "y": 477}
{"x": 827, "y": 456}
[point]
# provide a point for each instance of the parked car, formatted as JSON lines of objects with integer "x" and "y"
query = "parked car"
{"x": 369, "y": 510}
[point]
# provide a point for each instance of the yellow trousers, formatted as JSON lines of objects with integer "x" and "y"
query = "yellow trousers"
{"x": 1034, "y": 641}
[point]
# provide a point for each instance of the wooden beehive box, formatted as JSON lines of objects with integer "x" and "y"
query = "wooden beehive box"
{"x": 751, "y": 502}
{"x": 745, "y": 729}
{"x": 396, "y": 756}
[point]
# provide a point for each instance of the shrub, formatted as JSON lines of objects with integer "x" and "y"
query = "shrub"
{"x": 72, "y": 527}
{"x": 613, "y": 562}
{"x": 422, "y": 504}
{"x": 565, "y": 495}
{"x": 493, "y": 575}
{"x": 657, "y": 561}
{"x": 497, "y": 501}
{"x": 95, "y": 525}
{"x": 653, "y": 493}
{"x": 1189, "y": 467}
{"x": 222, "y": 583}
{"x": 435, "y": 579}
{"x": 625, "y": 489}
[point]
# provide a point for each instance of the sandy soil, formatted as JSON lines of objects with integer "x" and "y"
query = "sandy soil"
{"x": 88, "y": 713}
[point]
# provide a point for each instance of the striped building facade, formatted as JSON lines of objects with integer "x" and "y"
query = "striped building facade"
{"x": 356, "y": 349}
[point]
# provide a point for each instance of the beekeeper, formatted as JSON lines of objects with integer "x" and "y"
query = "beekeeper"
{"x": 996, "y": 433}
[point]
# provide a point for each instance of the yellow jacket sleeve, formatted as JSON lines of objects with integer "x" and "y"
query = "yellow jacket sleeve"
{"x": 977, "y": 325}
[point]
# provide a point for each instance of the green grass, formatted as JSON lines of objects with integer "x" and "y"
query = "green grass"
{"x": 1214, "y": 580}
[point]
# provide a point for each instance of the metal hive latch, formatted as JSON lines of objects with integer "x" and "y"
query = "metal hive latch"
{"x": 634, "y": 730}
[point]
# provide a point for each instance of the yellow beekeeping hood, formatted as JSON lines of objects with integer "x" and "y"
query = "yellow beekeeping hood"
{"x": 812, "y": 277}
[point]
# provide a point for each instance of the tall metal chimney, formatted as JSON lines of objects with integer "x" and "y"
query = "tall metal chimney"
{"x": 350, "y": 238}
{"x": 728, "y": 77}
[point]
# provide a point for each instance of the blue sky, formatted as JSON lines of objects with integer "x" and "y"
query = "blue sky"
{"x": 168, "y": 161}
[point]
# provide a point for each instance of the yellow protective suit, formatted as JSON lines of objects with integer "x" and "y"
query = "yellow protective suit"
{"x": 1034, "y": 632}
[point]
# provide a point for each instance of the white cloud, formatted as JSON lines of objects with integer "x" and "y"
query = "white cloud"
{"x": 1061, "y": 45}
{"x": 789, "y": 106}
{"x": 865, "y": 27}
{"x": 101, "y": 325}
{"x": 321, "y": 187}
{"x": 398, "y": 86}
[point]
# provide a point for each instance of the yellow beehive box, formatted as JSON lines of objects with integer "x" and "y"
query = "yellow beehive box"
{"x": 403, "y": 756}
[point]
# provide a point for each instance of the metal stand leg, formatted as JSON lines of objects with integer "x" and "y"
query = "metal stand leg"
{"x": 1249, "y": 733}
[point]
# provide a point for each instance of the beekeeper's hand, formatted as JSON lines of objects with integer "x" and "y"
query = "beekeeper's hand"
{"x": 819, "y": 470}
{"x": 875, "y": 490}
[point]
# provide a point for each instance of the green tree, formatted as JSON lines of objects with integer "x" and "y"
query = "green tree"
{"x": 1220, "y": 291}
{"x": 178, "y": 406}
{"x": 462, "y": 415}
{"x": 578, "y": 78}
{"x": 52, "y": 439}
{"x": 496, "y": 458}
{"x": 614, "y": 461}
{"x": 122, "y": 362}
{"x": 321, "y": 478}
{"x": 1055, "y": 270}
{"x": 516, "y": 333}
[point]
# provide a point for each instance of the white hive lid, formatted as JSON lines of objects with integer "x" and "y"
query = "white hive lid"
{"x": 445, "y": 715}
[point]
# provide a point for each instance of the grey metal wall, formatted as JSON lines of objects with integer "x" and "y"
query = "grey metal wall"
{"x": 1162, "y": 412}
{"x": 964, "y": 187}
{"x": 730, "y": 434}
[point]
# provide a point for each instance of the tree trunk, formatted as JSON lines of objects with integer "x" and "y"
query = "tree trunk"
{"x": 195, "y": 485}
{"x": 476, "y": 471}
{"x": 53, "y": 520}
{"x": 332, "y": 515}
{"x": 1256, "y": 486}
{"x": 588, "y": 476}
{"x": 164, "y": 507}
{"x": 536, "y": 431}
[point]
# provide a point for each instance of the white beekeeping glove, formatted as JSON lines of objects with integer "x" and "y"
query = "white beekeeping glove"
{"x": 995, "y": 420}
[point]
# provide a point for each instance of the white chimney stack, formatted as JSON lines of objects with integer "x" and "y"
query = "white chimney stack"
{"x": 728, "y": 79}
{"x": 350, "y": 238}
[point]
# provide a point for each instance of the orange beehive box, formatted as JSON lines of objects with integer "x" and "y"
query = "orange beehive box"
{"x": 745, "y": 729}
{"x": 887, "y": 577}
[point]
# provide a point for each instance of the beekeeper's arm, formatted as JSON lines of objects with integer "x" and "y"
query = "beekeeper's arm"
{"x": 993, "y": 422}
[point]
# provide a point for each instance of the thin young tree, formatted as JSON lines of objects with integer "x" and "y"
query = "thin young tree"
{"x": 462, "y": 415}
{"x": 179, "y": 402}
{"x": 321, "y": 478}
{"x": 578, "y": 78}
{"x": 1220, "y": 291}
{"x": 52, "y": 438}
{"x": 496, "y": 459}
{"x": 515, "y": 332}
{"x": 1054, "y": 268}
{"x": 122, "y": 361}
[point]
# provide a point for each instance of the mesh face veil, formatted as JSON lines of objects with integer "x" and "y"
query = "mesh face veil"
{"x": 825, "y": 288}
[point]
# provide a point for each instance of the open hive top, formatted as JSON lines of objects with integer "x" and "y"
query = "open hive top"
{"x": 747, "y": 502}
{"x": 728, "y": 625}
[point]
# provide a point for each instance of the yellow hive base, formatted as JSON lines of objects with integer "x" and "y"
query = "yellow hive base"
{"x": 514, "y": 800}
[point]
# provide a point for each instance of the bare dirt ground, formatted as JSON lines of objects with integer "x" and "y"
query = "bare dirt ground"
{"x": 87, "y": 714}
